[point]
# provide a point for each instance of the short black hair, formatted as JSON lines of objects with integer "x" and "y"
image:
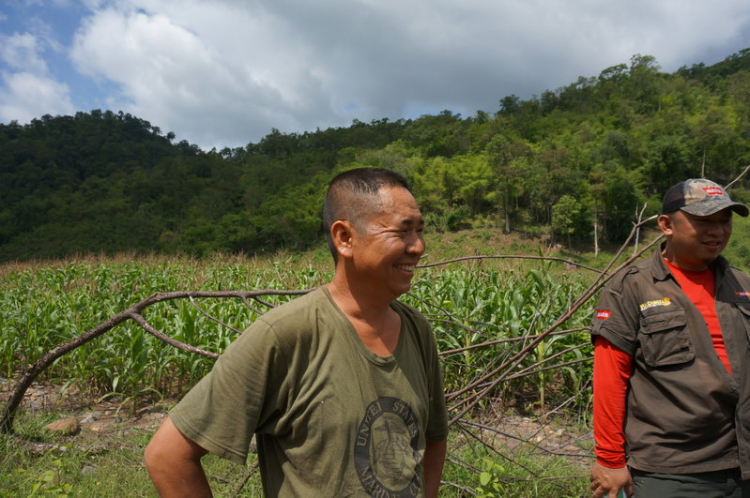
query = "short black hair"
{"x": 352, "y": 195}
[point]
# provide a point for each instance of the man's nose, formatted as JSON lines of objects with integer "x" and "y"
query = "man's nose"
{"x": 416, "y": 244}
{"x": 715, "y": 228}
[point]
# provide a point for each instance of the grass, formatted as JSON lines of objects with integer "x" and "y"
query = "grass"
{"x": 86, "y": 468}
{"x": 83, "y": 466}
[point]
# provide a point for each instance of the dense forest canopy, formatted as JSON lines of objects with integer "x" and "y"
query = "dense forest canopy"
{"x": 558, "y": 165}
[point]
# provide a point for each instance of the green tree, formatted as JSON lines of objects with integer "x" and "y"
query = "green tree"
{"x": 566, "y": 215}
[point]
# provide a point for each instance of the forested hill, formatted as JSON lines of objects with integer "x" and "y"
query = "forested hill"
{"x": 555, "y": 165}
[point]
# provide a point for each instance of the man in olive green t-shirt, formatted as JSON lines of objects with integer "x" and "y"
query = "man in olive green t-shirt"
{"x": 342, "y": 387}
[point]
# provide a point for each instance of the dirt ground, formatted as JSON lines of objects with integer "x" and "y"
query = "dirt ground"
{"x": 102, "y": 423}
{"x": 99, "y": 424}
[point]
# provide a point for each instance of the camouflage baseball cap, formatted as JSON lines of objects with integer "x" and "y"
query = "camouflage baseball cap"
{"x": 700, "y": 197}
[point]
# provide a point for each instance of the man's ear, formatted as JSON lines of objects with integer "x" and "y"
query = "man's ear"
{"x": 666, "y": 224}
{"x": 341, "y": 234}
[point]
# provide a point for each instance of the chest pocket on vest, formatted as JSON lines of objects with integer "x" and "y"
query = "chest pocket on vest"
{"x": 665, "y": 339}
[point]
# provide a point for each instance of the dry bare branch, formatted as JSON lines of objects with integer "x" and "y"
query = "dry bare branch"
{"x": 508, "y": 256}
{"x": 132, "y": 313}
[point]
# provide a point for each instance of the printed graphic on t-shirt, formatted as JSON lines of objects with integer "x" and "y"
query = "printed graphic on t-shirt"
{"x": 385, "y": 451}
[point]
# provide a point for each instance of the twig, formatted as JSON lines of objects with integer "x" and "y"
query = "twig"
{"x": 137, "y": 318}
{"x": 506, "y": 340}
{"x": 501, "y": 455}
{"x": 508, "y": 256}
{"x": 464, "y": 490}
{"x": 245, "y": 477}
{"x": 744, "y": 171}
{"x": 264, "y": 303}
{"x": 522, "y": 440}
{"x": 213, "y": 318}
{"x": 252, "y": 308}
{"x": 492, "y": 449}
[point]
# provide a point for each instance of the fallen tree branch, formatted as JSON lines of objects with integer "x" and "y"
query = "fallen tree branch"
{"x": 508, "y": 256}
{"x": 132, "y": 313}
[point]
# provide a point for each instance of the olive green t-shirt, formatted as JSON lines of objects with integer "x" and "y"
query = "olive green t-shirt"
{"x": 332, "y": 418}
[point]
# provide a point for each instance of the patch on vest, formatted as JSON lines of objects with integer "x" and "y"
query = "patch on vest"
{"x": 603, "y": 314}
{"x": 659, "y": 302}
{"x": 385, "y": 451}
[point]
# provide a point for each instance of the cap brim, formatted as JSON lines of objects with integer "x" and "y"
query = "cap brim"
{"x": 740, "y": 209}
{"x": 705, "y": 209}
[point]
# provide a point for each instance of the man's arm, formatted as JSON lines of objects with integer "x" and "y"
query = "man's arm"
{"x": 612, "y": 369}
{"x": 434, "y": 458}
{"x": 173, "y": 462}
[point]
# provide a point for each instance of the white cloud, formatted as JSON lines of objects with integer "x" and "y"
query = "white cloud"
{"x": 27, "y": 90}
{"x": 227, "y": 71}
{"x": 45, "y": 34}
{"x": 25, "y": 96}
{"x": 21, "y": 51}
{"x": 189, "y": 75}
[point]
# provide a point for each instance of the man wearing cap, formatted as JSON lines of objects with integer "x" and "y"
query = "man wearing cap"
{"x": 671, "y": 359}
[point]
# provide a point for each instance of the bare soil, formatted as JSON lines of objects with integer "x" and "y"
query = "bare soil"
{"x": 104, "y": 423}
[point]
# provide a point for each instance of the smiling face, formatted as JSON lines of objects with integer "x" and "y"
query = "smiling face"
{"x": 385, "y": 249}
{"x": 695, "y": 241}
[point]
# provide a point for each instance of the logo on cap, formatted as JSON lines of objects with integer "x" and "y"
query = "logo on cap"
{"x": 713, "y": 190}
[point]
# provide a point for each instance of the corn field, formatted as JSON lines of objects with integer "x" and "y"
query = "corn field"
{"x": 480, "y": 314}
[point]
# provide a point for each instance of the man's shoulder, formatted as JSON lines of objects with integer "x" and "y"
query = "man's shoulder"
{"x": 411, "y": 312}
{"x": 300, "y": 302}
{"x": 735, "y": 270}
{"x": 631, "y": 273}
{"x": 742, "y": 278}
{"x": 417, "y": 327}
{"x": 292, "y": 325}
{"x": 298, "y": 311}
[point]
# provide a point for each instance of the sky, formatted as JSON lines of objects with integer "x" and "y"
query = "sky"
{"x": 224, "y": 73}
